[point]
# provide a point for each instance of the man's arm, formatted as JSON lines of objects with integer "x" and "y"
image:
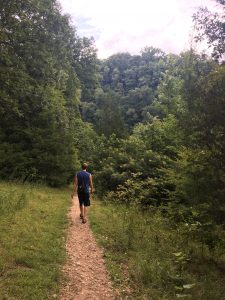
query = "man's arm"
{"x": 74, "y": 186}
{"x": 91, "y": 183}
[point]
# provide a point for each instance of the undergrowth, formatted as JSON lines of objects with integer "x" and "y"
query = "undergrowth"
{"x": 148, "y": 258}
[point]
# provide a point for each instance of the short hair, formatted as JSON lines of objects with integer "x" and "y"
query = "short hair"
{"x": 84, "y": 166}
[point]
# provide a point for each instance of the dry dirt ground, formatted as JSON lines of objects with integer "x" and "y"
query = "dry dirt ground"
{"x": 85, "y": 272}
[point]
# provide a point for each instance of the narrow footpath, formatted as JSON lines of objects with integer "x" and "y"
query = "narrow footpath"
{"x": 85, "y": 272}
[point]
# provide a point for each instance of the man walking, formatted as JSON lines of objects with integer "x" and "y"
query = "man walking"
{"x": 83, "y": 185}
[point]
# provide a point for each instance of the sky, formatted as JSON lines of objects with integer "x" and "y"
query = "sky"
{"x": 131, "y": 25}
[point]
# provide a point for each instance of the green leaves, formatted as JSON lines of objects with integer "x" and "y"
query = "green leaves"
{"x": 40, "y": 91}
{"x": 210, "y": 26}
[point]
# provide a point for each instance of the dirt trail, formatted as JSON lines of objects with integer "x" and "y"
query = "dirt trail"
{"x": 85, "y": 271}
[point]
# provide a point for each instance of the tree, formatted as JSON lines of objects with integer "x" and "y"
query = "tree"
{"x": 211, "y": 26}
{"x": 86, "y": 66}
{"x": 135, "y": 79}
{"x": 40, "y": 91}
{"x": 109, "y": 118}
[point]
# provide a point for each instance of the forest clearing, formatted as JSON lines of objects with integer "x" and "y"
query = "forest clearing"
{"x": 151, "y": 127}
{"x": 144, "y": 256}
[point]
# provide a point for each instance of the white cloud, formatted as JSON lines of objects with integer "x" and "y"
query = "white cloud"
{"x": 126, "y": 25}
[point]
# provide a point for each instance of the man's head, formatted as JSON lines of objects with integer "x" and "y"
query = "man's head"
{"x": 84, "y": 166}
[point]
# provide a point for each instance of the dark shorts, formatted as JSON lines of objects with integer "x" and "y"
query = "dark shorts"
{"x": 84, "y": 199}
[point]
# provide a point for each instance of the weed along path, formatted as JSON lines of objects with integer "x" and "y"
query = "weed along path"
{"x": 85, "y": 272}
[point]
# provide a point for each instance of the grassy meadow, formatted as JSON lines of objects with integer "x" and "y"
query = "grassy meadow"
{"x": 32, "y": 232}
{"x": 149, "y": 259}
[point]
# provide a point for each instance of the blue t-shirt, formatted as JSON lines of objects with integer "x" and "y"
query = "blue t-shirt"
{"x": 83, "y": 182}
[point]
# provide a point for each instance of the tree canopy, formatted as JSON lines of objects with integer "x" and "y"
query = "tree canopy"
{"x": 41, "y": 82}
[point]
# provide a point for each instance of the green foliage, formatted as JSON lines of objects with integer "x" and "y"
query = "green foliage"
{"x": 149, "y": 256}
{"x": 41, "y": 76}
{"x": 136, "y": 165}
{"x": 108, "y": 159}
{"x": 130, "y": 84}
{"x": 174, "y": 162}
{"x": 108, "y": 116}
{"x": 211, "y": 26}
{"x": 138, "y": 191}
{"x": 32, "y": 227}
{"x": 199, "y": 172}
{"x": 86, "y": 66}
{"x": 169, "y": 91}
{"x": 154, "y": 137}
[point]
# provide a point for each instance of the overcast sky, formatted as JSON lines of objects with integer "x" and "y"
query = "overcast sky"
{"x": 126, "y": 25}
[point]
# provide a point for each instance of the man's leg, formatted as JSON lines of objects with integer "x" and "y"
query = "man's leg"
{"x": 82, "y": 211}
{"x": 81, "y": 215}
{"x": 81, "y": 202}
{"x": 85, "y": 214}
{"x": 86, "y": 204}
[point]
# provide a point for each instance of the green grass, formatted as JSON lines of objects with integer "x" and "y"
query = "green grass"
{"x": 32, "y": 229}
{"x": 148, "y": 259}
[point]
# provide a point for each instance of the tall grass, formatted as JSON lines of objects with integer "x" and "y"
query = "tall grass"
{"x": 32, "y": 224}
{"x": 149, "y": 259}
{"x": 12, "y": 200}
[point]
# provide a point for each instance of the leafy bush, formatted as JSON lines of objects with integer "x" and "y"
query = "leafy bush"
{"x": 150, "y": 256}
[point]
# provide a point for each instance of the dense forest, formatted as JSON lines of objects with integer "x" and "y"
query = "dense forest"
{"x": 151, "y": 126}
